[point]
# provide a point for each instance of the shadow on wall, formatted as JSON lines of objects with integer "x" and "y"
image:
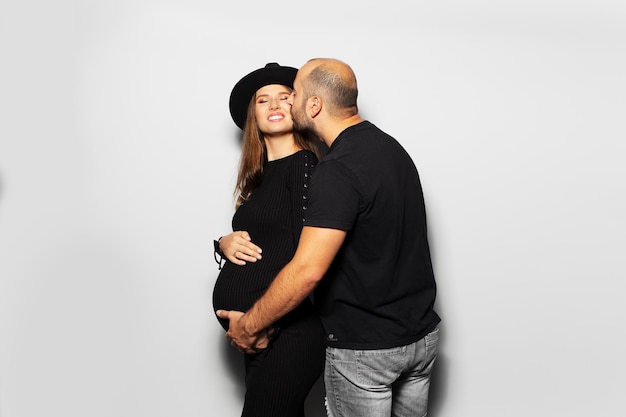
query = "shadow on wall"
{"x": 234, "y": 363}
{"x": 438, "y": 379}
{"x": 314, "y": 405}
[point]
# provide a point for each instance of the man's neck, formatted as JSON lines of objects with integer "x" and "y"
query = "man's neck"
{"x": 334, "y": 129}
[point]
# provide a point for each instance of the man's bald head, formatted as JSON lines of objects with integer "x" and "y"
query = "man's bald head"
{"x": 333, "y": 81}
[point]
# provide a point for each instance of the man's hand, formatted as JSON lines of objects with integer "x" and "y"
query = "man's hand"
{"x": 246, "y": 342}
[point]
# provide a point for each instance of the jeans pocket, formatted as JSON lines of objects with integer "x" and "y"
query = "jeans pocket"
{"x": 432, "y": 338}
{"x": 379, "y": 367}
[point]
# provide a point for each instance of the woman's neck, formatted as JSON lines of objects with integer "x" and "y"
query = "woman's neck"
{"x": 280, "y": 146}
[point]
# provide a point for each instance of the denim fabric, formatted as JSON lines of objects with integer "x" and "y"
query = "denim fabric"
{"x": 380, "y": 383}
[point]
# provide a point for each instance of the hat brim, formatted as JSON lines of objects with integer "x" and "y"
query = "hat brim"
{"x": 245, "y": 88}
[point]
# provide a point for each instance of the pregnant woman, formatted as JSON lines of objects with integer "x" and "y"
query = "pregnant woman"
{"x": 271, "y": 189}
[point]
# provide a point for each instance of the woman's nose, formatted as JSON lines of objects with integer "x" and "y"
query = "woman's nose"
{"x": 274, "y": 103}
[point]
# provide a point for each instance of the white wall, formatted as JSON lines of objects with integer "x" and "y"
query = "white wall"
{"x": 118, "y": 157}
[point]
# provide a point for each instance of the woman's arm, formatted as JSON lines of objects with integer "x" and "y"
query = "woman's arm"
{"x": 238, "y": 248}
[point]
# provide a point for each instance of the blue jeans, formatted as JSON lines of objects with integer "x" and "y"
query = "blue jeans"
{"x": 380, "y": 383}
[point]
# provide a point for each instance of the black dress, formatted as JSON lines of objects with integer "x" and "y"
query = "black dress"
{"x": 279, "y": 378}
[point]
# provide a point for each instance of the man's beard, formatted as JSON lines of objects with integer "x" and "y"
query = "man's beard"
{"x": 302, "y": 125}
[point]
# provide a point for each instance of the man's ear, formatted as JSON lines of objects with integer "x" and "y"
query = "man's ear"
{"x": 315, "y": 106}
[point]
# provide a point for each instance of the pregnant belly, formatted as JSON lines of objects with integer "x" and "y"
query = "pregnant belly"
{"x": 237, "y": 288}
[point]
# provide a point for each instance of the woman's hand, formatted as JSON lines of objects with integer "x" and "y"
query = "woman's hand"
{"x": 238, "y": 248}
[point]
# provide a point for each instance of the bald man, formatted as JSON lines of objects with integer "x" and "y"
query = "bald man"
{"x": 363, "y": 256}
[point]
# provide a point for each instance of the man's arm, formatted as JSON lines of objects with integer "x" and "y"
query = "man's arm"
{"x": 316, "y": 250}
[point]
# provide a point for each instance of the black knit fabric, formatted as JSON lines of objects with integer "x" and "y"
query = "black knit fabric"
{"x": 279, "y": 378}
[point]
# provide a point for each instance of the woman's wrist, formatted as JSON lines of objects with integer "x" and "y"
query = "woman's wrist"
{"x": 217, "y": 252}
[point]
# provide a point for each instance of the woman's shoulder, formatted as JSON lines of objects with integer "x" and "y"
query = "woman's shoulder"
{"x": 302, "y": 163}
{"x": 305, "y": 156}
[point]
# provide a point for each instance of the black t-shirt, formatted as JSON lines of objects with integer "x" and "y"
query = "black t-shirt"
{"x": 380, "y": 290}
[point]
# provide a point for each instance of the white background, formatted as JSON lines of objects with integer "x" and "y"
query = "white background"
{"x": 118, "y": 159}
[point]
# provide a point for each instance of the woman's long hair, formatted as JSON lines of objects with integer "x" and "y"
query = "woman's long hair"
{"x": 254, "y": 155}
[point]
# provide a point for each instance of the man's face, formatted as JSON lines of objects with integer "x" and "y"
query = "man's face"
{"x": 298, "y": 110}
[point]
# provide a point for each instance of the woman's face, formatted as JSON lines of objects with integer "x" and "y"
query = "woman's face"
{"x": 272, "y": 109}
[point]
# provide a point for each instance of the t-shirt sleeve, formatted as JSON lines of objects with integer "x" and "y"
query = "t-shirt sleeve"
{"x": 334, "y": 201}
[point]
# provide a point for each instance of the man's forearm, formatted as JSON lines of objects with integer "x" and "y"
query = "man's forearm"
{"x": 315, "y": 253}
{"x": 290, "y": 287}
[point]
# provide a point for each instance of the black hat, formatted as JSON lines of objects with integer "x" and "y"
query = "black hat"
{"x": 245, "y": 89}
